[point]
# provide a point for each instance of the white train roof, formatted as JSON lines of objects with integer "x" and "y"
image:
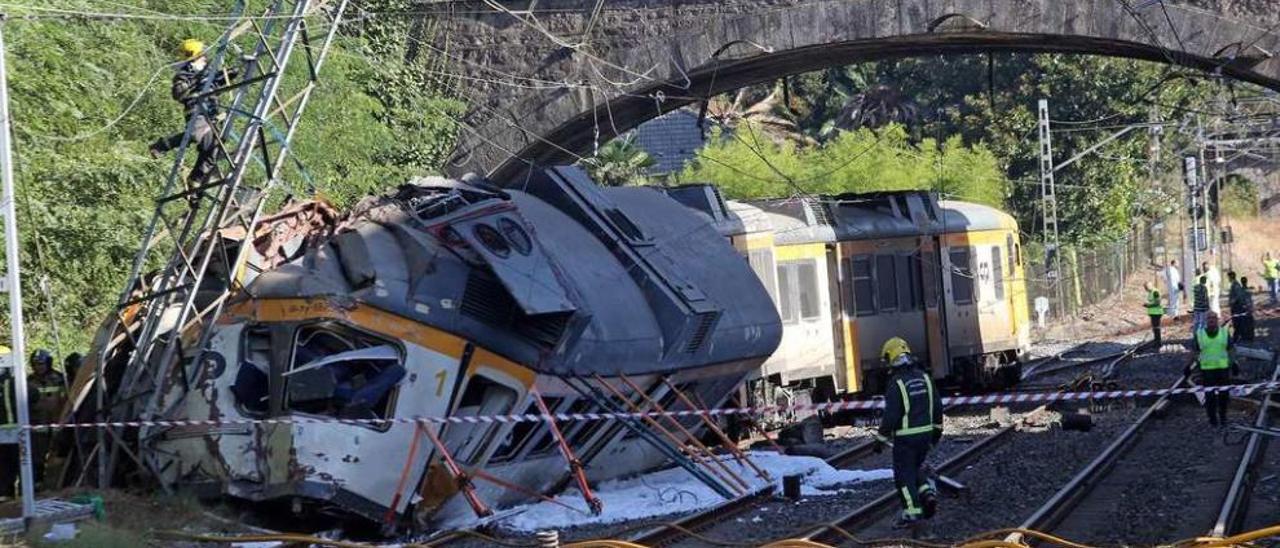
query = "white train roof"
{"x": 863, "y": 216}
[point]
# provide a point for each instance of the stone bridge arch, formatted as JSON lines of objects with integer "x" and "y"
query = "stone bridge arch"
{"x": 618, "y": 78}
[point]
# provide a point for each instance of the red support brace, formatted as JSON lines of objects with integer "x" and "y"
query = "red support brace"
{"x": 574, "y": 464}
{"x": 464, "y": 482}
{"x": 390, "y": 516}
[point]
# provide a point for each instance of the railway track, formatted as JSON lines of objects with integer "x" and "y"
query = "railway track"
{"x": 1236, "y": 505}
{"x": 1159, "y": 480}
{"x": 837, "y": 531}
{"x": 1060, "y": 362}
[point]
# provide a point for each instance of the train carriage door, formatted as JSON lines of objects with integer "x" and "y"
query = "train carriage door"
{"x": 845, "y": 378}
{"x": 934, "y": 306}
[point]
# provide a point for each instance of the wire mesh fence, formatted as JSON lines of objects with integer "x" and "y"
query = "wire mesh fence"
{"x": 1089, "y": 275}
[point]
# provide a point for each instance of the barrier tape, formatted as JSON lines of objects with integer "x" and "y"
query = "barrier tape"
{"x": 988, "y": 399}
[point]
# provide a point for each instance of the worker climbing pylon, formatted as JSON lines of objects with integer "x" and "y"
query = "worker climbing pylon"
{"x": 913, "y": 420}
{"x": 200, "y": 109}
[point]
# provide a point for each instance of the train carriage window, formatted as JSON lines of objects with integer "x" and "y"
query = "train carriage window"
{"x": 548, "y": 441}
{"x": 341, "y": 372}
{"x": 808, "y": 287}
{"x": 930, "y": 290}
{"x": 482, "y": 397}
{"x": 798, "y": 291}
{"x": 523, "y": 432}
{"x": 587, "y": 429}
{"x": 962, "y": 279}
{"x": 886, "y": 283}
{"x": 997, "y": 272}
{"x": 786, "y": 297}
{"x": 863, "y": 286}
{"x": 761, "y": 261}
{"x": 909, "y": 282}
{"x": 252, "y": 383}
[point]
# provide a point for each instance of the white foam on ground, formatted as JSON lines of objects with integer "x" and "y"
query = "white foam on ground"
{"x": 674, "y": 490}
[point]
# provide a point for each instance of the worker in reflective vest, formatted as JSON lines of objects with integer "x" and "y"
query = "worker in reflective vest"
{"x": 1214, "y": 362}
{"x": 1155, "y": 311}
{"x": 913, "y": 420}
{"x": 1271, "y": 273}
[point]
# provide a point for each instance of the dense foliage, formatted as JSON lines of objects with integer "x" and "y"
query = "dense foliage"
{"x": 89, "y": 96}
{"x": 990, "y": 101}
{"x": 744, "y": 164}
{"x": 86, "y": 184}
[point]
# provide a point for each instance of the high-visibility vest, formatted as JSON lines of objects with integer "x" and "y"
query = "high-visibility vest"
{"x": 1213, "y": 350}
{"x": 1154, "y": 308}
{"x": 1272, "y": 269}
{"x": 6, "y": 400}
{"x": 907, "y": 429}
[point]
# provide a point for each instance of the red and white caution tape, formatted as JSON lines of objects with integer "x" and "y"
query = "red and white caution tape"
{"x": 989, "y": 399}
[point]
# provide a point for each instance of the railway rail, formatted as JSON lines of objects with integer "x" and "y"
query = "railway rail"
{"x": 1235, "y": 506}
{"x": 1116, "y": 485}
{"x": 1060, "y": 362}
{"x": 838, "y": 530}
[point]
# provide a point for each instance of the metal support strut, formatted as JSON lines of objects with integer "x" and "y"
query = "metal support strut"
{"x": 575, "y": 465}
{"x": 464, "y": 481}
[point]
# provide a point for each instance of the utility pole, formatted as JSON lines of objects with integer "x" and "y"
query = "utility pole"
{"x": 9, "y": 210}
{"x": 1192, "y": 173}
{"x": 1210, "y": 243}
{"x": 1049, "y": 201}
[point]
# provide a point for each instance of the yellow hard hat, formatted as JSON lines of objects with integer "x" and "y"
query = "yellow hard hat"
{"x": 893, "y": 349}
{"x": 190, "y": 49}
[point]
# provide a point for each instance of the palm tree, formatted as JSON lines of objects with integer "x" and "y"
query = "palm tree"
{"x": 768, "y": 115}
{"x": 620, "y": 162}
{"x": 878, "y": 106}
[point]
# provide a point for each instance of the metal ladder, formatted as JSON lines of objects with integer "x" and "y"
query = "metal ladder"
{"x": 188, "y": 222}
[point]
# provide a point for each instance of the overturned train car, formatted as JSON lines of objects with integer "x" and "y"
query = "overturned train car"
{"x": 455, "y": 298}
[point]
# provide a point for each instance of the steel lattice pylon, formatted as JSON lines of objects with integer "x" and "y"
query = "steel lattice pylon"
{"x": 165, "y": 314}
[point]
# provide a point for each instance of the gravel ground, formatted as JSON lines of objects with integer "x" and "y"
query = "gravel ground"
{"x": 1015, "y": 477}
{"x": 1264, "y": 507}
{"x": 1167, "y": 487}
{"x": 782, "y": 518}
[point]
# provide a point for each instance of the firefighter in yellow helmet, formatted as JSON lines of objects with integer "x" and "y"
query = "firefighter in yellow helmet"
{"x": 913, "y": 421}
{"x": 200, "y": 110}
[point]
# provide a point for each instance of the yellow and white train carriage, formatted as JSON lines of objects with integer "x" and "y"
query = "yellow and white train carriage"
{"x": 848, "y": 272}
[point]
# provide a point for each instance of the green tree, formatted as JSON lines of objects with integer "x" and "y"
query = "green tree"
{"x": 619, "y": 162}
{"x": 89, "y": 96}
{"x": 853, "y": 161}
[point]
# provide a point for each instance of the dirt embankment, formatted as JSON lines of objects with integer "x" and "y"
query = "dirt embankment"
{"x": 1124, "y": 312}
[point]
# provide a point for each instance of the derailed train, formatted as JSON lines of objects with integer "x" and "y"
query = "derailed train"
{"x": 456, "y": 298}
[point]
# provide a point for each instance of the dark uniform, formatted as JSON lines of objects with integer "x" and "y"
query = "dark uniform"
{"x": 186, "y": 89}
{"x": 1200, "y": 304}
{"x": 1215, "y": 366}
{"x": 1241, "y": 302}
{"x": 913, "y": 420}
{"x": 51, "y": 388}
{"x": 1155, "y": 311}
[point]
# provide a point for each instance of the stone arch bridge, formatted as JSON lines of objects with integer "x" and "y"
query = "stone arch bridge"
{"x": 550, "y": 79}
